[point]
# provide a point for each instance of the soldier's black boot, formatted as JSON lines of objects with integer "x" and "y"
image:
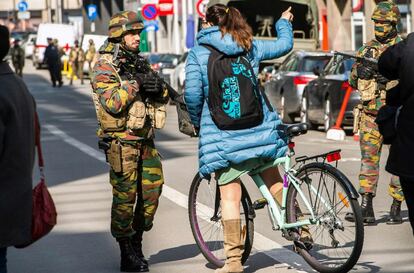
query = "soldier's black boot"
{"x": 137, "y": 245}
{"x": 395, "y": 213}
{"x": 367, "y": 210}
{"x": 129, "y": 260}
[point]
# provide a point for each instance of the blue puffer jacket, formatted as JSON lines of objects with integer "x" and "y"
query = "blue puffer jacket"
{"x": 218, "y": 148}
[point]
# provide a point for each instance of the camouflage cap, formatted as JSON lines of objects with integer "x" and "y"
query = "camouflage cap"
{"x": 386, "y": 11}
{"x": 122, "y": 22}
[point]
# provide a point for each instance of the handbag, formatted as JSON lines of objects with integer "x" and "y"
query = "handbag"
{"x": 44, "y": 213}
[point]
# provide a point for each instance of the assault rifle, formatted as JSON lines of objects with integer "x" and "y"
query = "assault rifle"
{"x": 371, "y": 62}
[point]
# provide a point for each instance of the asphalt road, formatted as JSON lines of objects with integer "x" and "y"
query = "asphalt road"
{"x": 77, "y": 176}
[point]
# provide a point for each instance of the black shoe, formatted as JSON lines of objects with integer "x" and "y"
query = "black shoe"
{"x": 54, "y": 84}
{"x": 136, "y": 241}
{"x": 395, "y": 213}
{"x": 129, "y": 260}
{"x": 60, "y": 84}
{"x": 368, "y": 215}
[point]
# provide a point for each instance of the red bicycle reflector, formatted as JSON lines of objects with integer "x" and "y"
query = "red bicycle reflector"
{"x": 291, "y": 145}
{"x": 333, "y": 157}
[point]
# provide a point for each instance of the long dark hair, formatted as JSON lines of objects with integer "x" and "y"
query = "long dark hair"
{"x": 230, "y": 20}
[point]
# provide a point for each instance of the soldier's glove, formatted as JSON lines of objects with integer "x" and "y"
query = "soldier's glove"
{"x": 381, "y": 79}
{"x": 149, "y": 83}
{"x": 365, "y": 72}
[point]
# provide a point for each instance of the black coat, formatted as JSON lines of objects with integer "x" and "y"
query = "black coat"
{"x": 17, "y": 143}
{"x": 397, "y": 62}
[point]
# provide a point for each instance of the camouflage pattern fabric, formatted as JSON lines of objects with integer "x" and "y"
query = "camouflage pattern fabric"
{"x": 122, "y": 22}
{"x": 140, "y": 189}
{"x": 386, "y": 11}
{"x": 76, "y": 59}
{"x": 371, "y": 146}
{"x": 18, "y": 56}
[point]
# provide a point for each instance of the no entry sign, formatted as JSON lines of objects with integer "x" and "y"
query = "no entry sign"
{"x": 201, "y": 7}
{"x": 149, "y": 11}
{"x": 165, "y": 7}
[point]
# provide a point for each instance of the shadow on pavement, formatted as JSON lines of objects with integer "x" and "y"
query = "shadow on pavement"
{"x": 175, "y": 254}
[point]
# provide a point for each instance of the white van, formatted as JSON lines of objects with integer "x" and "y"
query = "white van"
{"x": 66, "y": 35}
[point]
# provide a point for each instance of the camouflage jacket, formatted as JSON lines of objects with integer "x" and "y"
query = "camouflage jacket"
{"x": 113, "y": 82}
{"x": 76, "y": 55}
{"x": 17, "y": 55}
{"x": 376, "y": 48}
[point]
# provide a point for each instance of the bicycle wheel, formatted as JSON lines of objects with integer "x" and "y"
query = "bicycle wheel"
{"x": 207, "y": 228}
{"x": 336, "y": 244}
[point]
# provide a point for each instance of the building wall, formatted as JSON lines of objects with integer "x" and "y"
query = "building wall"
{"x": 339, "y": 24}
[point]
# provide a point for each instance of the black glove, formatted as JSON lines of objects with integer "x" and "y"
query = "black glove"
{"x": 381, "y": 79}
{"x": 365, "y": 72}
{"x": 149, "y": 83}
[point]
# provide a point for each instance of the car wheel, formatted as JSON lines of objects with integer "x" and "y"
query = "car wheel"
{"x": 284, "y": 116}
{"x": 328, "y": 120}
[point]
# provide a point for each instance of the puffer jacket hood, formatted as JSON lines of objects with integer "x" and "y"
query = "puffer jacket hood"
{"x": 213, "y": 36}
{"x": 220, "y": 148}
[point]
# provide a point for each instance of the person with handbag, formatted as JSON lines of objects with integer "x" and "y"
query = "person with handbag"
{"x": 237, "y": 124}
{"x": 396, "y": 63}
{"x": 17, "y": 150}
{"x": 372, "y": 87}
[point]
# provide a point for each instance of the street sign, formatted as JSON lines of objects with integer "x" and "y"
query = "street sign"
{"x": 22, "y": 6}
{"x": 149, "y": 11}
{"x": 165, "y": 7}
{"x": 151, "y": 25}
{"x": 23, "y": 15}
{"x": 201, "y": 7}
{"x": 92, "y": 12}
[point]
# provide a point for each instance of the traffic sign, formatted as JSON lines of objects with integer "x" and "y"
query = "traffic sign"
{"x": 151, "y": 25}
{"x": 149, "y": 11}
{"x": 165, "y": 7}
{"x": 201, "y": 7}
{"x": 22, "y": 6}
{"x": 23, "y": 15}
{"x": 92, "y": 12}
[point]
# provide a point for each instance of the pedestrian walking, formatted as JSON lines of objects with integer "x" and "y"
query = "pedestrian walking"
{"x": 51, "y": 58}
{"x": 396, "y": 64}
{"x": 231, "y": 153}
{"x": 76, "y": 60}
{"x": 90, "y": 56}
{"x": 372, "y": 87}
{"x": 61, "y": 51}
{"x": 17, "y": 55}
{"x": 17, "y": 143}
{"x": 130, "y": 105}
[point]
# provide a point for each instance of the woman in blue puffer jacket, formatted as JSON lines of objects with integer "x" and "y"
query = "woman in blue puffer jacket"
{"x": 232, "y": 153}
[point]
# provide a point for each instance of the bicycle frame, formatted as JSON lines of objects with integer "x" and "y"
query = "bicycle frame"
{"x": 278, "y": 215}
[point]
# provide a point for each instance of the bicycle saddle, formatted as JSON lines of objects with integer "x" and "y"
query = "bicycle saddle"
{"x": 293, "y": 130}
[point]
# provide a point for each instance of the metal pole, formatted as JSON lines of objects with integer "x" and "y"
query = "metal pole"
{"x": 58, "y": 11}
{"x": 176, "y": 31}
{"x": 184, "y": 22}
{"x": 14, "y": 12}
{"x": 49, "y": 11}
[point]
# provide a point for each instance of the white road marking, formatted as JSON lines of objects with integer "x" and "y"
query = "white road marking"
{"x": 261, "y": 242}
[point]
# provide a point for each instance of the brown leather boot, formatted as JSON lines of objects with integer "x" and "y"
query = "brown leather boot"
{"x": 233, "y": 247}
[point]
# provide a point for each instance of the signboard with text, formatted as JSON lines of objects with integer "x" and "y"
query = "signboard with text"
{"x": 165, "y": 7}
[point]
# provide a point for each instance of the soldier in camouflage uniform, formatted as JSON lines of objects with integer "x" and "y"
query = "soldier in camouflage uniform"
{"x": 130, "y": 104}
{"x": 372, "y": 87}
{"x": 17, "y": 55}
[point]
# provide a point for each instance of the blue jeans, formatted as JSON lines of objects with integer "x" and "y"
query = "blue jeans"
{"x": 3, "y": 260}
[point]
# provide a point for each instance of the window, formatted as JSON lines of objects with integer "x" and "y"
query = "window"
{"x": 310, "y": 63}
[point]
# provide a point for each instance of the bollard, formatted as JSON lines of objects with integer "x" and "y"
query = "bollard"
{"x": 336, "y": 132}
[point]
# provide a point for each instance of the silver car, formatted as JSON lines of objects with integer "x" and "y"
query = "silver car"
{"x": 286, "y": 85}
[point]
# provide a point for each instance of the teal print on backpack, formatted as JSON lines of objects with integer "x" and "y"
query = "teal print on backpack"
{"x": 231, "y": 97}
{"x": 239, "y": 68}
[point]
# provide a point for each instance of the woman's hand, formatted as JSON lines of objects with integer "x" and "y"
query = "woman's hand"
{"x": 287, "y": 15}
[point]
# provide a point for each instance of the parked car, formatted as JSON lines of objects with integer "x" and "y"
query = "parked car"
{"x": 166, "y": 65}
{"x": 178, "y": 75}
{"x": 285, "y": 88}
{"x": 322, "y": 97}
{"x": 66, "y": 35}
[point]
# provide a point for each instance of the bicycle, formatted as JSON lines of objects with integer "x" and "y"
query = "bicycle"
{"x": 307, "y": 201}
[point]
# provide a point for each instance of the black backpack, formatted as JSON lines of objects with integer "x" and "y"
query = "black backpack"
{"x": 234, "y": 98}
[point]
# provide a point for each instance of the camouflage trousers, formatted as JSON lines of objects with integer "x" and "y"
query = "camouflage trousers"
{"x": 136, "y": 194}
{"x": 371, "y": 146}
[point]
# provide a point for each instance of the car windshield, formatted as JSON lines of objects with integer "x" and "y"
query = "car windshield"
{"x": 309, "y": 63}
{"x": 168, "y": 58}
{"x": 348, "y": 64}
{"x": 183, "y": 57}
{"x": 154, "y": 58}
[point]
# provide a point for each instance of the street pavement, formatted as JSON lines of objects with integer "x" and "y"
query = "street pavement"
{"x": 77, "y": 175}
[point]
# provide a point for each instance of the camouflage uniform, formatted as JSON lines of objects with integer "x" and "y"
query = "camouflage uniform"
{"x": 140, "y": 185}
{"x": 372, "y": 98}
{"x": 17, "y": 55}
{"x": 90, "y": 56}
{"x": 76, "y": 60}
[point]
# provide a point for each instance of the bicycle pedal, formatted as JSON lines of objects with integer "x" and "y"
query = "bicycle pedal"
{"x": 259, "y": 203}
